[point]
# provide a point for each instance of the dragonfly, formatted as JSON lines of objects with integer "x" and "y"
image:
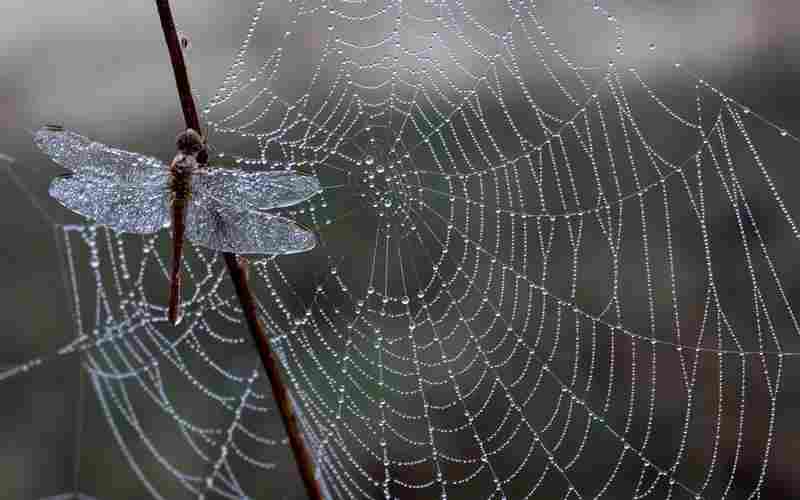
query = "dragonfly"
{"x": 217, "y": 208}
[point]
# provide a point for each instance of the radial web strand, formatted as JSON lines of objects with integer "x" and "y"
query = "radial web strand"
{"x": 544, "y": 270}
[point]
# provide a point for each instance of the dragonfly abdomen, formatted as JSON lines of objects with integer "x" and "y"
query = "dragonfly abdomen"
{"x": 180, "y": 189}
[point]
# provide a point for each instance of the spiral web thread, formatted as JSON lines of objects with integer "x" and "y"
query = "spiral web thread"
{"x": 539, "y": 275}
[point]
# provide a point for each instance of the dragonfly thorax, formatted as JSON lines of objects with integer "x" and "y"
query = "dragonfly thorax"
{"x": 181, "y": 170}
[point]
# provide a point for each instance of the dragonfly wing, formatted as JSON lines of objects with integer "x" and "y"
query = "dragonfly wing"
{"x": 81, "y": 155}
{"x": 126, "y": 208}
{"x": 256, "y": 190}
{"x": 218, "y": 226}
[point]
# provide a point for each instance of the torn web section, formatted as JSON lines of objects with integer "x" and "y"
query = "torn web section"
{"x": 187, "y": 407}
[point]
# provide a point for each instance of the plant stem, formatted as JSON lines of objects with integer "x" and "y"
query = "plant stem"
{"x": 238, "y": 275}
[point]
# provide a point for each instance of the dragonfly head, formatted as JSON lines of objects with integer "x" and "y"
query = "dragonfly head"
{"x": 190, "y": 142}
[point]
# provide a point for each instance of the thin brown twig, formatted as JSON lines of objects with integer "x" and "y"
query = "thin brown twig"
{"x": 238, "y": 275}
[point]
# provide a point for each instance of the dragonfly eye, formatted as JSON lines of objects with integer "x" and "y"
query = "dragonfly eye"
{"x": 189, "y": 142}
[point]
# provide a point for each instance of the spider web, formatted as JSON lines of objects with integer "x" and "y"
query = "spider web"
{"x": 539, "y": 275}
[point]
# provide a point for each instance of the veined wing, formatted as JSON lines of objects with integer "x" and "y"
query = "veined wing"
{"x": 255, "y": 190}
{"x": 218, "y": 226}
{"x": 127, "y": 208}
{"x": 84, "y": 156}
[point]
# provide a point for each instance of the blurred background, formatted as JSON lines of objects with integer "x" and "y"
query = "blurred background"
{"x": 101, "y": 68}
